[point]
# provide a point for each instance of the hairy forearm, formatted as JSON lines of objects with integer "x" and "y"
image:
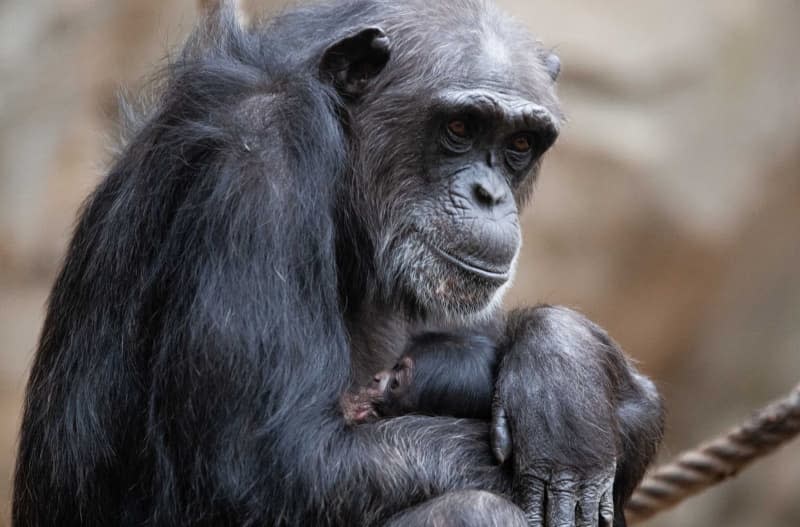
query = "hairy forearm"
{"x": 399, "y": 462}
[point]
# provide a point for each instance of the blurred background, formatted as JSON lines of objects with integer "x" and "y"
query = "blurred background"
{"x": 669, "y": 211}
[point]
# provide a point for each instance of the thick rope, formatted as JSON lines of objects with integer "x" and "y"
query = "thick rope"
{"x": 721, "y": 458}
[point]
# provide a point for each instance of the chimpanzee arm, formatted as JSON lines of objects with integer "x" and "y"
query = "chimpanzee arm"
{"x": 387, "y": 466}
{"x": 596, "y": 420}
{"x": 583, "y": 387}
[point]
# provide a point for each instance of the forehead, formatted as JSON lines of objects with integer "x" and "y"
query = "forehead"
{"x": 476, "y": 49}
{"x": 509, "y": 70}
{"x": 504, "y": 55}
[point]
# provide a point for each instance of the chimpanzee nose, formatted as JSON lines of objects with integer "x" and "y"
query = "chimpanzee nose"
{"x": 488, "y": 194}
{"x": 486, "y": 191}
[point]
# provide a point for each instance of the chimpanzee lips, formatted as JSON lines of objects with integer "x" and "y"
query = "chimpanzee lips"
{"x": 500, "y": 275}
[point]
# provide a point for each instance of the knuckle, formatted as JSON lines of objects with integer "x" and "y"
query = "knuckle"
{"x": 533, "y": 511}
{"x": 564, "y": 481}
{"x": 588, "y": 517}
{"x": 534, "y": 518}
{"x": 562, "y": 488}
{"x": 537, "y": 469}
{"x": 589, "y": 495}
{"x": 531, "y": 483}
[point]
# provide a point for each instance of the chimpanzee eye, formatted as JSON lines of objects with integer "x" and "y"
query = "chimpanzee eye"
{"x": 458, "y": 128}
{"x": 458, "y": 136}
{"x": 521, "y": 143}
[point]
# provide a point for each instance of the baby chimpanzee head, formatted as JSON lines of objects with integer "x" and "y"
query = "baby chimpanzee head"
{"x": 389, "y": 394}
{"x": 438, "y": 375}
{"x": 399, "y": 395}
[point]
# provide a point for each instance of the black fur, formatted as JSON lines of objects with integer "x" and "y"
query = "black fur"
{"x": 435, "y": 385}
{"x": 243, "y": 262}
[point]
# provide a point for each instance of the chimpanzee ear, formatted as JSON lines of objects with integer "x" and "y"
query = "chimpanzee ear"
{"x": 406, "y": 362}
{"x": 553, "y": 65}
{"x": 354, "y": 61}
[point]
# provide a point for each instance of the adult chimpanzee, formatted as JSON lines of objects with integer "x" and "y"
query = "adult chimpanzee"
{"x": 425, "y": 381}
{"x": 302, "y": 200}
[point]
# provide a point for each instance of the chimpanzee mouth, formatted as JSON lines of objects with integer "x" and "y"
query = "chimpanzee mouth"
{"x": 495, "y": 275}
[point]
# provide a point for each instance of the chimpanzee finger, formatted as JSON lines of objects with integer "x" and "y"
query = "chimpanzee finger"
{"x": 530, "y": 495}
{"x": 560, "y": 508}
{"x": 607, "y": 508}
{"x": 588, "y": 510}
{"x": 500, "y": 433}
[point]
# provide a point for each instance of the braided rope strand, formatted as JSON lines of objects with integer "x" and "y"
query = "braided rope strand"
{"x": 715, "y": 461}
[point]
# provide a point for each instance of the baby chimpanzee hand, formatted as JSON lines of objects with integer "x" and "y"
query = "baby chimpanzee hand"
{"x": 359, "y": 406}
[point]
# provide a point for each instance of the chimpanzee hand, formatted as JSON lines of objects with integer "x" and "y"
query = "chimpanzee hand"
{"x": 554, "y": 400}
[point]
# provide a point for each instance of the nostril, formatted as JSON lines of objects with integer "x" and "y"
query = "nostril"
{"x": 485, "y": 197}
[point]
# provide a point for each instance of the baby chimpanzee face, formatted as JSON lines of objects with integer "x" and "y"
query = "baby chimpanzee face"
{"x": 395, "y": 383}
{"x": 388, "y": 394}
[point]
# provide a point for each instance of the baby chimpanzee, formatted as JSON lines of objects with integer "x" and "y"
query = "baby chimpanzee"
{"x": 436, "y": 375}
